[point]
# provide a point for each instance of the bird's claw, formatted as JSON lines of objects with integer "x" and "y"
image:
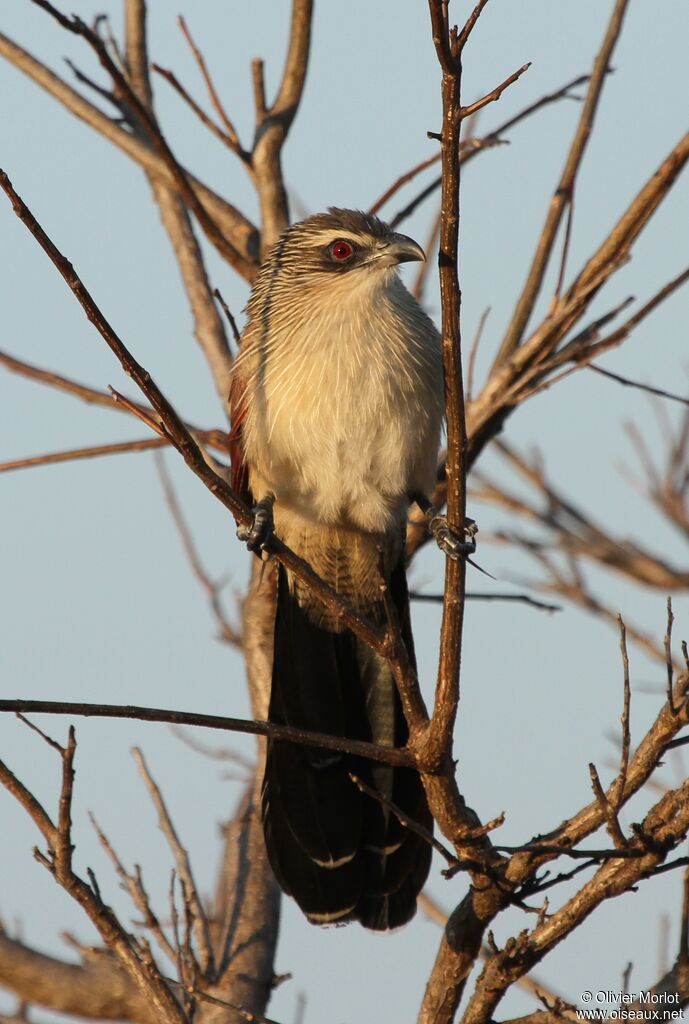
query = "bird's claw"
{"x": 448, "y": 541}
{"x": 259, "y": 532}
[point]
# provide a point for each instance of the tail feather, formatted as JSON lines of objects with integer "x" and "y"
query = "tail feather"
{"x": 303, "y": 786}
{"x": 341, "y": 854}
{"x": 327, "y": 896}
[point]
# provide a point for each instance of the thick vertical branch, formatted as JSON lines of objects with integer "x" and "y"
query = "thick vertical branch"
{"x": 97, "y": 988}
{"x": 247, "y": 897}
{"x": 447, "y": 688}
{"x": 446, "y": 983}
{"x": 273, "y": 124}
{"x": 208, "y": 325}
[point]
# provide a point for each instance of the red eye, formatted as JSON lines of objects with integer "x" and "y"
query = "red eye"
{"x": 341, "y": 250}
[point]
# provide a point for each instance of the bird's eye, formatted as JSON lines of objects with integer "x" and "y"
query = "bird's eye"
{"x": 341, "y": 250}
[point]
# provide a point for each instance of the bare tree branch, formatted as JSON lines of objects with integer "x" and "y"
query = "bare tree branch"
{"x": 134, "y": 885}
{"x": 213, "y": 438}
{"x": 495, "y": 94}
{"x": 447, "y": 684}
{"x": 208, "y": 325}
{"x": 181, "y": 438}
{"x": 146, "y": 122}
{"x": 563, "y": 192}
{"x": 183, "y": 865}
{"x": 236, "y": 227}
{"x": 228, "y": 632}
{"x": 273, "y": 125}
{"x": 446, "y": 983}
{"x": 72, "y": 454}
{"x": 474, "y": 596}
{"x": 360, "y": 748}
{"x": 528, "y": 982}
{"x": 469, "y": 148}
{"x": 665, "y": 825}
{"x": 246, "y": 910}
{"x": 97, "y": 989}
{"x": 58, "y": 861}
{"x": 637, "y": 384}
{"x": 210, "y": 86}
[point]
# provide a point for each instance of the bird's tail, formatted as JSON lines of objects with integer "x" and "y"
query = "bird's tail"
{"x": 342, "y": 854}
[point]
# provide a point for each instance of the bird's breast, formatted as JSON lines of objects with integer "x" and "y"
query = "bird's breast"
{"x": 345, "y": 421}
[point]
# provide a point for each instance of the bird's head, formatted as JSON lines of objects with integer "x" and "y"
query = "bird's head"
{"x": 338, "y": 244}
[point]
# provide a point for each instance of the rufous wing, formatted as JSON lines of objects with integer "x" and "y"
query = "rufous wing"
{"x": 239, "y": 472}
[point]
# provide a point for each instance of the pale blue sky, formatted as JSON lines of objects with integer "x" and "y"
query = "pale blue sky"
{"x": 98, "y": 603}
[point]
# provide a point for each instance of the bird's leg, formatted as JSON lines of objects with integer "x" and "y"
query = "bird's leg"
{"x": 259, "y": 532}
{"x": 447, "y": 540}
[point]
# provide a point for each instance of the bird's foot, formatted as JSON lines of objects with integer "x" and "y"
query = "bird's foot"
{"x": 449, "y": 542}
{"x": 257, "y": 535}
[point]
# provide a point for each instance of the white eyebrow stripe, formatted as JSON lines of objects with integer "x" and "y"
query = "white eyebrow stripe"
{"x": 329, "y": 235}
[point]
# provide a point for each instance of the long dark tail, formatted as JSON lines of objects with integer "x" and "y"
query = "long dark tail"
{"x": 340, "y": 853}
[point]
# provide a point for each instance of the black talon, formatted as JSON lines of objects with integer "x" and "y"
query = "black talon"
{"x": 259, "y": 532}
{"x": 447, "y": 540}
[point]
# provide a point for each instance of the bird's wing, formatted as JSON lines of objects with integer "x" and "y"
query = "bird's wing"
{"x": 239, "y": 477}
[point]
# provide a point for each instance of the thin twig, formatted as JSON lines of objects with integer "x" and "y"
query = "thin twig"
{"x": 610, "y": 812}
{"x": 494, "y": 95}
{"x": 44, "y": 736}
{"x": 227, "y": 631}
{"x": 206, "y": 997}
{"x": 424, "y": 268}
{"x": 561, "y": 850}
{"x": 183, "y": 864}
{"x": 405, "y": 820}
{"x": 212, "y": 92}
{"x": 618, "y": 789}
{"x": 385, "y": 755}
{"x": 73, "y": 454}
{"x": 469, "y": 148}
{"x": 171, "y": 78}
{"x": 563, "y": 192}
{"x": 637, "y": 384}
{"x": 402, "y": 180}
{"x": 474, "y": 351}
{"x": 469, "y": 25}
{"x": 230, "y": 318}
{"x": 565, "y": 248}
{"x": 471, "y": 595}
{"x": 92, "y": 396}
{"x": 667, "y": 644}
{"x": 215, "y": 753}
{"x": 135, "y": 887}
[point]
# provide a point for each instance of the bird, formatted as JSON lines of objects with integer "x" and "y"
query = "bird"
{"x": 337, "y": 404}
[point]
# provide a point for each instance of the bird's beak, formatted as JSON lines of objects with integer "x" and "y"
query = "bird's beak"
{"x": 400, "y": 249}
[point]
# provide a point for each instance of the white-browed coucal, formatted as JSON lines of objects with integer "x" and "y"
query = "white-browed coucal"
{"x": 337, "y": 404}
